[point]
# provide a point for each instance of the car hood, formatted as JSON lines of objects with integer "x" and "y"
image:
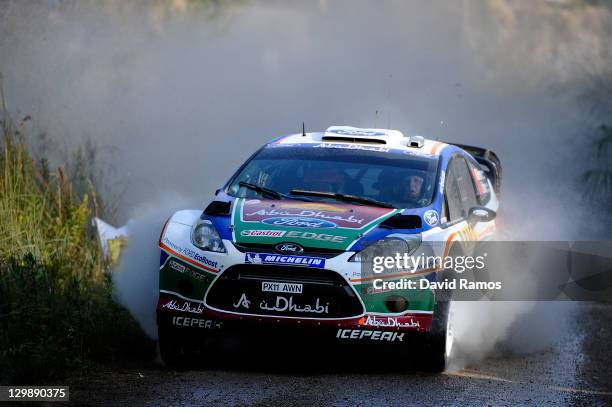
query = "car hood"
{"x": 324, "y": 225}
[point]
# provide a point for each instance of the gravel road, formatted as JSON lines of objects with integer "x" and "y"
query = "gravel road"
{"x": 576, "y": 370}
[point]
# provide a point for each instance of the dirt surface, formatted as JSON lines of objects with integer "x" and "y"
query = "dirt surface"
{"x": 576, "y": 370}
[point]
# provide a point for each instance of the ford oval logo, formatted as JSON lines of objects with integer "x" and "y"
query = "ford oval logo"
{"x": 289, "y": 248}
{"x": 299, "y": 222}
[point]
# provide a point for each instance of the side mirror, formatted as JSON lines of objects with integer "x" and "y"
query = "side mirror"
{"x": 217, "y": 191}
{"x": 480, "y": 214}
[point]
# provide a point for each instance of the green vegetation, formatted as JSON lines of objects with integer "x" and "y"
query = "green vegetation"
{"x": 56, "y": 308}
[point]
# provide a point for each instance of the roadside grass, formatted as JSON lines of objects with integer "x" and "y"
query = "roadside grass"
{"x": 57, "y": 313}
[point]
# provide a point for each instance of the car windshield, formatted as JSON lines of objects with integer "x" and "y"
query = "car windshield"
{"x": 399, "y": 179}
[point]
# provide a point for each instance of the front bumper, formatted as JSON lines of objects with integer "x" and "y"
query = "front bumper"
{"x": 281, "y": 296}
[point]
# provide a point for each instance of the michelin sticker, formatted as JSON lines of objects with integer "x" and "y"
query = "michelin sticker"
{"x": 271, "y": 258}
{"x": 431, "y": 217}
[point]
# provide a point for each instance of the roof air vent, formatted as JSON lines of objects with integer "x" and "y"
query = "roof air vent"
{"x": 344, "y": 139}
{"x": 348, "y": 134}
{"x": 415, "y": 141}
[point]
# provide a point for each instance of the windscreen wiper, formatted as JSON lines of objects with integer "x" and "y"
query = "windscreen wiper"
{"x": 342, "y": 197}
{"x": 270, "y": 193}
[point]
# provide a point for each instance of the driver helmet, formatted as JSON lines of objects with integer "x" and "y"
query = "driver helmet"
{"x": 413, "y": 185}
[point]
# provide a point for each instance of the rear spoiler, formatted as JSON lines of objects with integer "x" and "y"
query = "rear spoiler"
{"x": 489, "y": 162}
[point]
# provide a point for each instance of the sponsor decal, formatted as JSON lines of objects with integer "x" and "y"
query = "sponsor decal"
{"x": 299, "y": 222}
{"x": 243, "y": 302}
{"x": 177, "y": 266}
{"x": 350, "y": 221}
{"x": 272, "y": 258}
{"x": 196, "y": 323}
{"x": 374, "y": 289}
{"x": 416, "y": 153}
{"x": 356, "y": 132}
{"x": 359, "y": 217}
{"x": 172, "y": 245}
{"x": 305, "y": 223}
{"x": 292, "y": 288}
{"x": 192, "y": 254}
{"x": 353, "y": 147}
{"x": 184, "y": 306}
{"x": 370, "y": 335}
{"x": 263, "y": 233}
{"x": 253, "y": 258}
{"x": 198, "y": 257}
{"x": 315, "y": 236}
{"x": 314, "y": 206}
{"x": 442, "y": 180}
{"x": 431, "y": 217}
{"x": 284, "y": 304}
{"x": 390, "y": 322}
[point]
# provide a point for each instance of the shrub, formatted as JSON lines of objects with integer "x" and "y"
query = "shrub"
{"x": 56, "y": 306}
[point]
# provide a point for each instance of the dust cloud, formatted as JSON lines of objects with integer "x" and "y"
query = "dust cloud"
{"x": 137, "y": 278}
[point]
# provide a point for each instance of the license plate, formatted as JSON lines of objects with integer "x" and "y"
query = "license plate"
{"x": 275, "y": 287}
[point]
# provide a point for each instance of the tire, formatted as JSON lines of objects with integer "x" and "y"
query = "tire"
{"x": 173, "y": 350}
{"x": 439, "y": 342}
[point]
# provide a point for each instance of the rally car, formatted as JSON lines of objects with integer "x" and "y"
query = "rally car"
{"x": 283, "y": 241}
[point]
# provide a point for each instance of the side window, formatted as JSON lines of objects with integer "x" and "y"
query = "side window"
{"x": 460, "y": 194}
{"x": 444, "y": 216}
{"x": 466, "y": 186}
{"x": 481, "y": 184}
{"x": 453, "y": 198}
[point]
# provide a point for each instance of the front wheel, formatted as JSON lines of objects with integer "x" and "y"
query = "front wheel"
{"x": 174, "y": 351}
{"x": 439, "y": 342}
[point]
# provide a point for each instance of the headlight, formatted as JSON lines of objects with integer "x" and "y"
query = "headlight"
{"x": 205, "y": 236}
{"x": 389, "y": 246}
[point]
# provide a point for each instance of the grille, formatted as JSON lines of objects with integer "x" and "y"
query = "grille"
{"x": 266, "y": 248}
{"x": 322, "y": 293}
{"x": 290, "y": 276}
